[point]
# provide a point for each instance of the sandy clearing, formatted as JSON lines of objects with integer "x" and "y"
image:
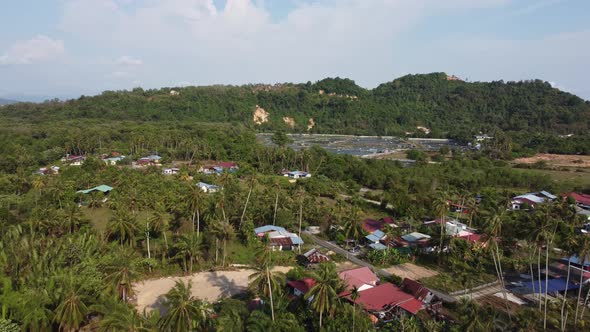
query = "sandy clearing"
{"x": 557, "y": 160}
{"x": 210, "y": 286}
{"x": 412, "y": 271}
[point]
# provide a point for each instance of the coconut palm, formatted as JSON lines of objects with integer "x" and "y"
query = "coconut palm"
{"x": 441, "y": 208}
{"x": 123, "y": 226}
{"x": 324, "y": 294}
{"x": 71, "y": 311}
{"x": 583, "y": 249}
{"x": 196, "y": 200}
{"x": 183, "y": 311}
{"x": 121, "y": 317}
{"x": 189, "y": 249}
{"x": 226, "y": 232}
{"x": 37, "y": 317}
{"x": 354, "y": 295}
{"x": 252, "y": 184}
{"x": 121, "y": 273}
{"x": 495, "y": 232}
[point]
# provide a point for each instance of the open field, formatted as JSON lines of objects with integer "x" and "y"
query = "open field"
{"x": 209, "y": 286}
{"x": 411, "y": 271}
{"x": 574, "y": 178}
{"x": 557, "y": 160}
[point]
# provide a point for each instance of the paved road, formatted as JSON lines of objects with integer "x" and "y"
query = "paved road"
{"x": 331, "y": 246}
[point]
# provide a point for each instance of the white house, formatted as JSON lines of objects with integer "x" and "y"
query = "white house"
{"x": 113, "y": 160}
{"x": 170, "y": 171}
{"x": 208, "y": 188}
{"x": 531, "y": 199}
{"x": 297, "y": 174}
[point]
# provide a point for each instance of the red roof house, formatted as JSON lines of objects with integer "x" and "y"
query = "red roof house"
{"x": 301, "y": 287}
{"x": 385, "y": 298}
{"x": 581, "y": 199}
{"x": 370, "y": 225}
{"x": 363, "y": 278}
{"x": 415, "y": 288}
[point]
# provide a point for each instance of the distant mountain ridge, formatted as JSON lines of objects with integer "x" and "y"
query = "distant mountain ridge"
{"x": 434, "y": 105}
{"x": 7, "y": 101}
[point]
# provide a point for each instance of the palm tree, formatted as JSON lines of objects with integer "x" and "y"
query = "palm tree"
{"x": 183, "y": 311}
{"x": 354, "y": 295}
{"x": 226, "y": 232}
{"x": 324, "y": 294}
{"x": 121, "y": 273}
{"x": 72, "y": 217}
{"x": 123, "y": 226}
{"x": 189, "y": 248}
{"x": 71, "y": 311}
{"x": 160, "y": 223}
{"x": 37, "y": 317}
{"x": 278, "y": 190}
{"x": 197, "y": 196}
{"x": 252, "y": 183}
{"x": 262, "y": 281}
{"x": 495, "y": 231}
{"x": 441, "y": 208}
{"x": 121, "y": 317}
{"x": 584, "y": 249}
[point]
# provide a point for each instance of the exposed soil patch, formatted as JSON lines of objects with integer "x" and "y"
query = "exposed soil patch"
{"x": 210, "y": 286}
{"x": 411, "y": 271}
{"x": 563, "y": 160}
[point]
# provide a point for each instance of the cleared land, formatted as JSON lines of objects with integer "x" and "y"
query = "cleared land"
{"x": 411, "y": 271}
{"x": 209, "y": 286}
{"x": 559, "y": 160}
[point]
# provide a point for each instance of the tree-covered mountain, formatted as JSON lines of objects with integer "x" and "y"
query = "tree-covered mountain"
{"x": 531, "y": 111}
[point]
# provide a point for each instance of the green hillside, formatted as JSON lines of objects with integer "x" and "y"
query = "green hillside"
{"x": 532, "y": 112}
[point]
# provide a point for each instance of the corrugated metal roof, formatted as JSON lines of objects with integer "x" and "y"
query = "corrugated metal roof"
{"x": 377, "y": 246}
{"x": 269, "y": 228}
{"x": 102, "y": 188}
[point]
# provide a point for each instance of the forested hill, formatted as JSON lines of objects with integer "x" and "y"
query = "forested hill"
{"x": 448, "y": 106}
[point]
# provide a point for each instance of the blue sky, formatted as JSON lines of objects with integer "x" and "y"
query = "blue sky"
{"x": 65, "y": 48}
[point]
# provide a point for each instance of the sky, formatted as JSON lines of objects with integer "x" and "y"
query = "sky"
{"x": 68, "y": 48}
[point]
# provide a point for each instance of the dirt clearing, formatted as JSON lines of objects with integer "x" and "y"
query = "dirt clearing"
{"x": 562, "y": 160}
{"x": 411, "y": 271}
{"x": 210, "y": 286}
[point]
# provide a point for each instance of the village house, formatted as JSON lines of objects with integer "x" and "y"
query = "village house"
{"x": 170, "y": 171}
{"x": 103, "y": 188}
{"x": 225, "y": 166}
{"x": 457, "y": 229}
{"x": 582, "y": 200}
{"x": 412, "y": 240}
{"x": 530, "y": 200}
{"x": 279, "y": 238}
{"x": 362, "y": 278}
{"x": 112, "y": 161}
{"x": 386, "y": 302}
{"x": 208, "y": 188}
{"x": 151, "y": 160}
{"x": 301, "y": 287}
{"x": 296, "y": 174}
{"x": 312, "y": 258}
{"x": 53, "y": 170}
{"x": 73, "y": 160}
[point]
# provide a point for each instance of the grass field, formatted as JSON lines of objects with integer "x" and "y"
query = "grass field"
{"x": 572, "y": 179}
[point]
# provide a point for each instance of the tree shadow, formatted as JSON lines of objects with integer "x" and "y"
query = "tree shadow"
{"x": 227, "y": 286}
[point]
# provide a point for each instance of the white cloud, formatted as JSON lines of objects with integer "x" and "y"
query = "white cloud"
{"x": 38, "y": 49}
{"x": 128, "y": 61}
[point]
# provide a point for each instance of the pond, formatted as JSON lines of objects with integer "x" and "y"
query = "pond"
{"x": 362, "y": 146}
